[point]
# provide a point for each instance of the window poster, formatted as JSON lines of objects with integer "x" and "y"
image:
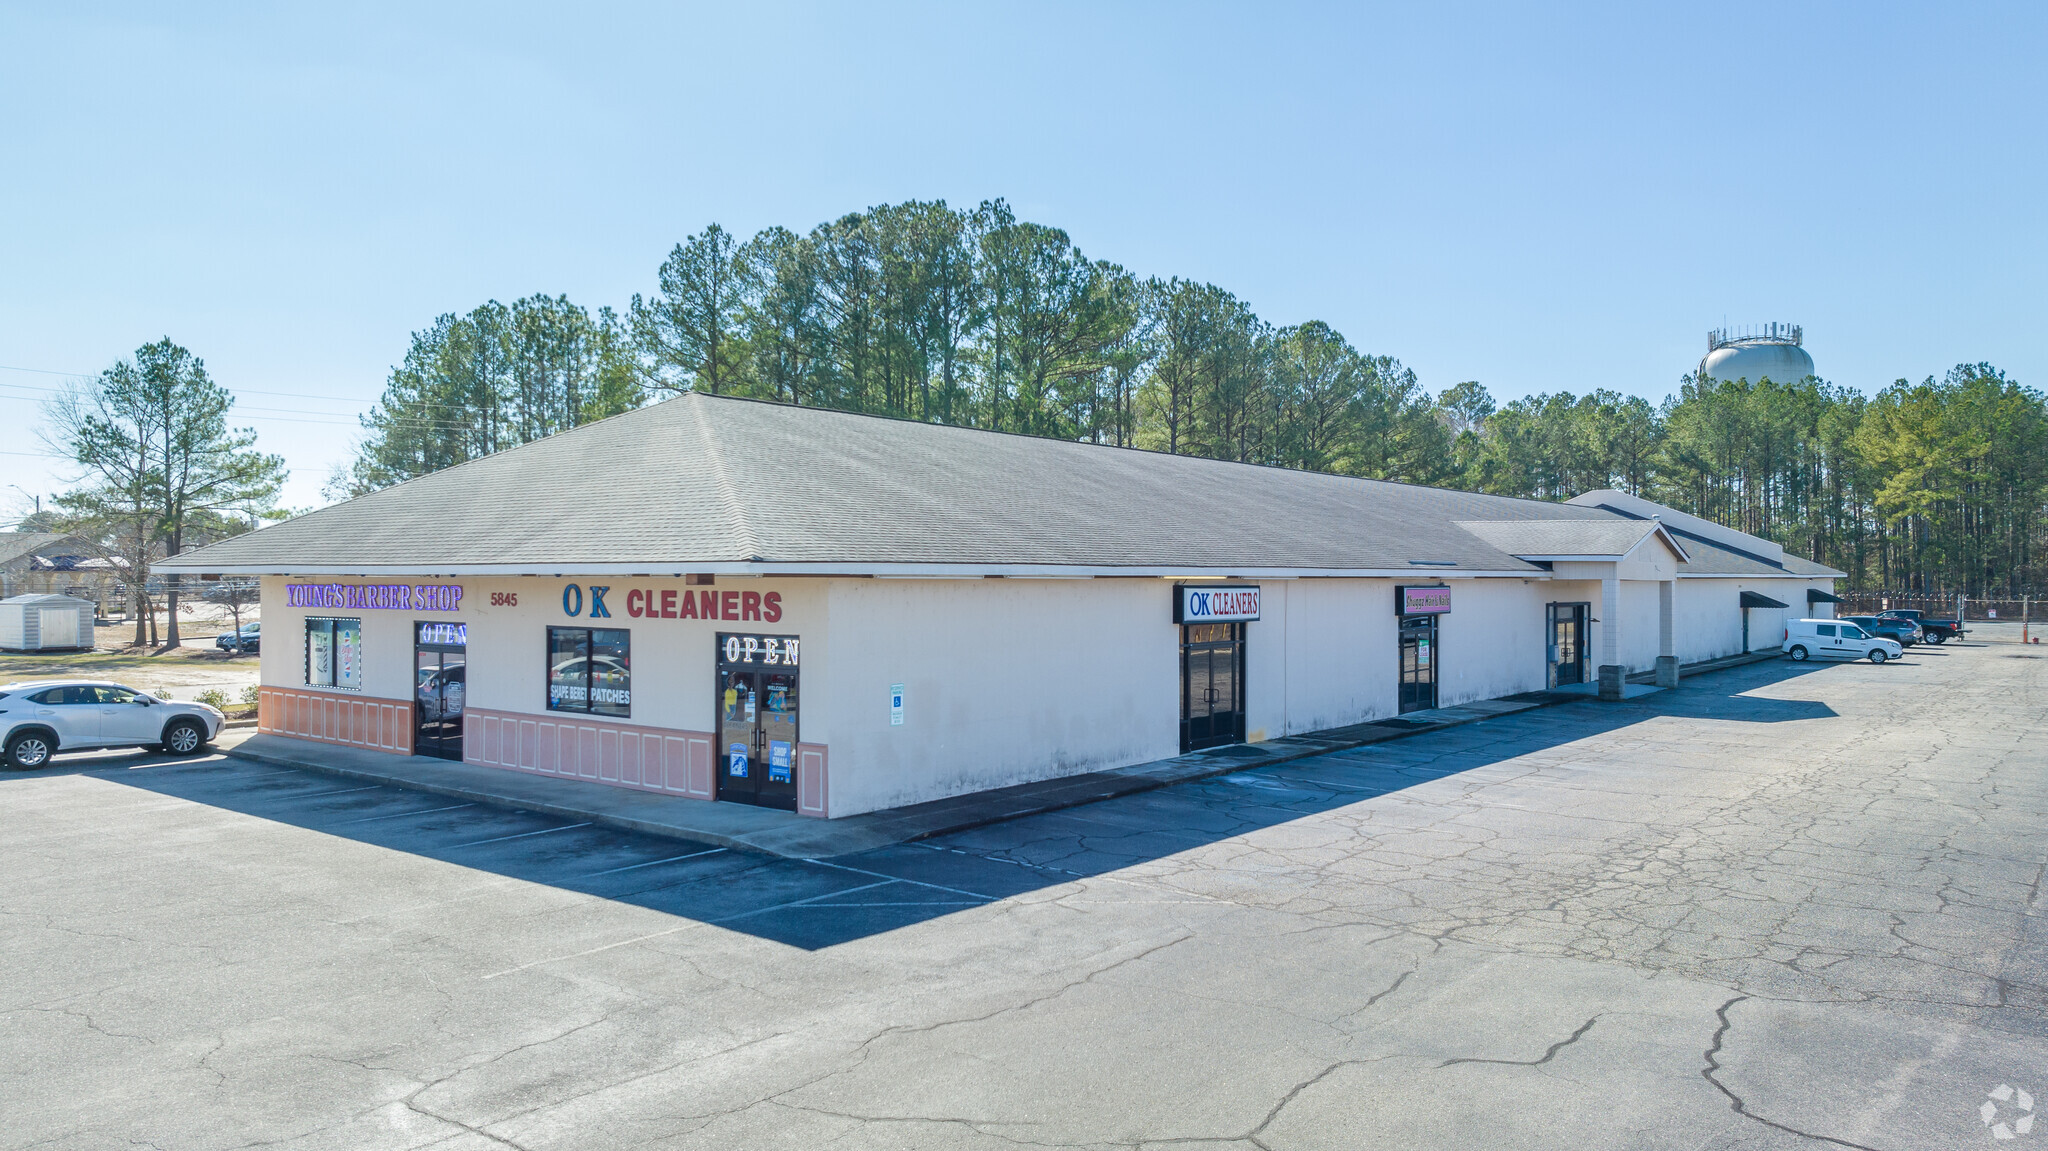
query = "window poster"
{"x": 348, "y": 653}
{"x": 334, "y": 653}
{"x": 590, "y": 670}
{"x": 319, "y": 653}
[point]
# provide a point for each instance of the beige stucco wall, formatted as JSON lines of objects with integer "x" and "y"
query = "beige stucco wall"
{"x": 1005, "y": 681}
{"x": 1709, "y": 614}
{"x": 1322, "y": 655}
{"x": 1013, "y": 680}
{"x": 673, "y": 663}
{"x": 1706, "y": 615}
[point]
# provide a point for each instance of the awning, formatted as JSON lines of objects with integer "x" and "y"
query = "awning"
{"x": 1815, "y": 595}
{"x": 1751, "y": 599}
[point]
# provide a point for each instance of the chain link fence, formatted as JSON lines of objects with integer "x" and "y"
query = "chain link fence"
{"x": 1943, "y": 605}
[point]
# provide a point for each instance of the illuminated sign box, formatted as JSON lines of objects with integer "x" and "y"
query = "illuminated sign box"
{"x": 444, "y": 634}
{"x": 1422, "y": 600}
{"x": 375, "y": 596}
{"x": 1228, "y": 603}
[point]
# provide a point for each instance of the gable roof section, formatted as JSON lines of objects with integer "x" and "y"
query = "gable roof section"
{"x": 1714, "y": 556}
{"x": 708, "y": 483}
{"x": 1571, "y": 539}
{"x": 17, "y": 545}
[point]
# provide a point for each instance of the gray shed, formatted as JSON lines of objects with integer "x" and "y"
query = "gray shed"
{"x": 45, "y": 622}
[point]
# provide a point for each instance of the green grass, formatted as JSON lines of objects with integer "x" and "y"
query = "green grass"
{"x": 37, "y": 665}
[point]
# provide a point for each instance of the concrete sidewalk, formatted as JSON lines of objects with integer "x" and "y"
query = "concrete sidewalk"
{"x": 789, "y": 835}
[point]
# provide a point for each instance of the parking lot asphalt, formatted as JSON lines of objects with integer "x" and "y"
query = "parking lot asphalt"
{"x": 1780, "y": 906}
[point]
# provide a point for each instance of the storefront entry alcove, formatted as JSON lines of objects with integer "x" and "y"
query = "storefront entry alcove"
{"x": 1418, "y": 663}
{"x": 1211, "y": 685}
{"x": 757, "y": 719}
{"x": 440, "y": 687}
{"x": 1568, "y": 643}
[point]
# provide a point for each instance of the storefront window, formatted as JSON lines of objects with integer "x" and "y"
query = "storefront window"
{"x": 334, "y": 652}
{"x": 590, "y": 669}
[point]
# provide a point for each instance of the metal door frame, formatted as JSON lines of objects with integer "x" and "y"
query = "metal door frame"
{"x": 1239, "y": 694}
{"x": 721, "y": 671}
{"x": 442, "y": 650}
{"x": 1582, "y": 616}
{"x": 1412, "y": 623}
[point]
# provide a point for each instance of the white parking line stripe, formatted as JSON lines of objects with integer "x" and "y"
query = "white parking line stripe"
{"x": 522, "y": 835}
{"x": 682, "y": 927}
{"x": 343, "y": 791}
{"x": 652, "y": 862}
{"x": 403, "y": 814}
{"x": 897, "y": 879}
{"x": 924, "y": 903}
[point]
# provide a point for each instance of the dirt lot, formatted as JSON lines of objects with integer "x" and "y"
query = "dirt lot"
{"x": 179, "y": 673}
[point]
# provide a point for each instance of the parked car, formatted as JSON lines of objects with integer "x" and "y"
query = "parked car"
{"x": 40, "y": 718}
{"x": 1837, "y": 639}
{"x": 566, "y": 680}
{"x": 1934, "y": 631}
{"x": 441, "y": 693}
{"x": 1905, "y": 631}
{"x": 248, "y": 639}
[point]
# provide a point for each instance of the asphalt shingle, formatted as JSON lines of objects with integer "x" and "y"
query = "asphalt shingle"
{"x": 714, "y": 480}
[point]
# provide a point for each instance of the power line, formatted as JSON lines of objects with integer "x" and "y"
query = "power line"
{"x": 245, "y": 391}
{"x": 303, "y": 416}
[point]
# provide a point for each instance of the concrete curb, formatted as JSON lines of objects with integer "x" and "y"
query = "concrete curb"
{"x": 509, "y": 798}
{"x": 795, "y": 837}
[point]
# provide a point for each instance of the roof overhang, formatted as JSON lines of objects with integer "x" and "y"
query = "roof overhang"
{"x": 1753, "y": 599}
{"x": 902, "y": 571}
{"x": 1815, "y": 595}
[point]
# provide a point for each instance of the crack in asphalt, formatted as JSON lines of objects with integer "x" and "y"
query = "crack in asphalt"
{"x": 1549, "y": 1054}
{"x": 1884, "y": 865}
{"x": 1712, "y": 1057}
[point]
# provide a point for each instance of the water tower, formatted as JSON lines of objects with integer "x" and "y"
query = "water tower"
{"x": 1764, "y": 352}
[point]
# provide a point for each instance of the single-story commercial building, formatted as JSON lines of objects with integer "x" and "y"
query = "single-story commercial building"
{"x": 836, "y": 613}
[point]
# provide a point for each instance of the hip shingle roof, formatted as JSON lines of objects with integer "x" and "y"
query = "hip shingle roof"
{"x": 713, "y": 480}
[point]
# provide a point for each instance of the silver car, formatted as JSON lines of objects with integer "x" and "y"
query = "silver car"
{"x": 42, "y": 717}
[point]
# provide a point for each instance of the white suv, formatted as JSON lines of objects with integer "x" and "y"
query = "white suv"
{"x": 43, "y": 717}
{"x": 1837, "y": 639}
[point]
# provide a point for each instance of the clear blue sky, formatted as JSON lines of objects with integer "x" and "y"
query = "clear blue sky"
{"x": 1536, "y": 197}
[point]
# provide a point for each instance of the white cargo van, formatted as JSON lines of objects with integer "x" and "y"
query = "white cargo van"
{"x": 1836, "y": 639}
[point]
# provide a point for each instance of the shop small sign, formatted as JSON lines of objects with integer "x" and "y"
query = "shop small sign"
{"x": 373, "y": 596}
{"x": 1215, "y": 604}
{"x": 444, "y": 635}
{"x": 757, "y": 650}
{"x": 1422, "y": 600}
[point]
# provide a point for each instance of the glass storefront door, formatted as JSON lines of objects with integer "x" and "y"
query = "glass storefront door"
{"x": 757, "y": 723}
{"x": 1568, "y": 643}
{"x": 1418, "y": 662}
{"x": 1211, "y": 685}
{"x": 440, "y": 688}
